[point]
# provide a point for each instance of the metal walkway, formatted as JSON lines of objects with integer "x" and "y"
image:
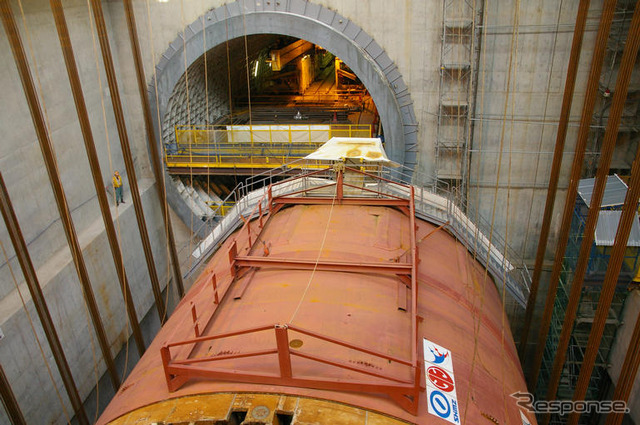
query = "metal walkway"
{"x": 432, "y": 203}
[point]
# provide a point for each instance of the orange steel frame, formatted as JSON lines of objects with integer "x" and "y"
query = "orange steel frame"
{"x": 179, "y": 368}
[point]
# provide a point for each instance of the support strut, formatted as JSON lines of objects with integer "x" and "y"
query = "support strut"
{"x": 627, "y": 374}
{"x": 153, "y": 146}
{"x": 56, "y": 185}
{"x": 585, "y": 249}
{"x": 561, "y": 135}
{"x": 31, "y": 278}
{"x": 103, "y": 37}
{"x": 629, "y": 210}
{"x": 9, "y": 401}
{"x": 96, "y": 173}
{"x": 572, "y": 191}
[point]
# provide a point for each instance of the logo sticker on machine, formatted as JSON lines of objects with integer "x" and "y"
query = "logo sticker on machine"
{"x": 441, "y": 384}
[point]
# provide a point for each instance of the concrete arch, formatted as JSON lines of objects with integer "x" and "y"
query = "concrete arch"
{"x": 304, "y": 20}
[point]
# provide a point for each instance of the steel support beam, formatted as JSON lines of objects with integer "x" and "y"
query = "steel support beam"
{"x": 153, "y": 146}
{"x": 627, "y": 374}
{"x": 56, "y": 185}
{"x": 103, "y": 37}
{"x": 380, "y": 202}
{"x": 9, "y": 401}
{"x": 584, "y": 254}
{"x": 31, "y": 278}
{"x": 96, "y": 172}
{"x": 629, "y": 209}
{"x": 322, "y": 265}
{"x": 567, "y": 99}
{"x": 572, "y": 191}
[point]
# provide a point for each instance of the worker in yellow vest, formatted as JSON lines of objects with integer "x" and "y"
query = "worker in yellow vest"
{"x": 117, "y": 185}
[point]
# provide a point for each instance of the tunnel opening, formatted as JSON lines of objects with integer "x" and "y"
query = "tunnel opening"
{"x": 221, "y": 32}
{"x": 251, "y": 105}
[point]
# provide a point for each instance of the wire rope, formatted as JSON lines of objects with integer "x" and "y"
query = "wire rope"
{"x": 111, "y": 171}
{"x": 192, "y": 132}
{"x": 64, "y": 198}
{"x": 206, "y": 99}
{"x": 162, "y": 152}
{"x": 315, "y": 266}
{"x": 544, "y": 117}
{"x": 35, "y": 335}
{"x": 506, "y": 235}
{"x": 493, "y": 213}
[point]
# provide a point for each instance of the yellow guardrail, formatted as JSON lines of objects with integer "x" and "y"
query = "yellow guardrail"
{"x": 252, "y": 146}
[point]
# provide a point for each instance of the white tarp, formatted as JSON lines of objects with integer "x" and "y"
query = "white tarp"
{"x": 339, "y": 148}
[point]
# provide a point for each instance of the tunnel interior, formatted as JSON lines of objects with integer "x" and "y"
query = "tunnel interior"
{"x": 290, "y": 88}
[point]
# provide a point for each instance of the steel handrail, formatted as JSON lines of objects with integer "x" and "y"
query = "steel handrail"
{"x": 497, "y": 254}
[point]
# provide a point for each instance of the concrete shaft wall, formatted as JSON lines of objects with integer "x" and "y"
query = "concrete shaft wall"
{"x": 23, "y": 169}
{"x": 520, "y": 82}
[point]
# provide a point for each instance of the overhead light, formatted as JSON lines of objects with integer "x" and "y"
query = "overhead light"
{"x": 255, "y": 71}
{"x": 297, "y": 116}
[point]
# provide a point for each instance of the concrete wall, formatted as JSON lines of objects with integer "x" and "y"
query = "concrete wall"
{"x": 408, "y": 31}
{"x": 23, "y": 169}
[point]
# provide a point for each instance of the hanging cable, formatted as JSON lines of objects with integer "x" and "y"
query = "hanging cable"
{"x": 63, "y": 195}
{"x": 191, "y": 131}
{"x": 35, "y": 335}
{"x": 493, "y": 213}
{"x": 541, "y": 138}
{"x": 111, "y": 170}
{"x": 315, "y": 266}
{"x": 503, "y": 326}
{"x": 163, "y": 155}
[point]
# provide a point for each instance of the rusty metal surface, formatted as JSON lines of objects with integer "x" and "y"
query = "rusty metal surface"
{"x": 360, "y": 308}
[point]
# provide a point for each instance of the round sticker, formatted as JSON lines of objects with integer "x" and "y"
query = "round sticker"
{"x": 440, "y": 404}
{"x": 440, "y": 378}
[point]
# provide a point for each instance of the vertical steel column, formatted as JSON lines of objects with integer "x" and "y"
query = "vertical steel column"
{"x": 155, "y": 157}
{"x": 608, "y": 147}
{"x": 627, "y": 374}
{"x": 29, "y": 272}
{"x": 96, "y": 173}
{"x": 56, "y": 185}
{"x": 103, "y": 37}
{"x": 629, "y": 210}
{"x": 9, "y": 401}
{"x": 567, "y": 100}
{"x": 572, "y": 191}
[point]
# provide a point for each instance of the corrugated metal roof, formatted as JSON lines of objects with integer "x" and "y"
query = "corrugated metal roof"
{"x": 608, "y": 226}
{"x": 614, "y": 191}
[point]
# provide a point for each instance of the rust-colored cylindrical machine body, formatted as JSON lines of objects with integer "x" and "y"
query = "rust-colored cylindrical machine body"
{"x": 337, "y": 309}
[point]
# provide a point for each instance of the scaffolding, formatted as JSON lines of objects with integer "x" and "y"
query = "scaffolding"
{"x": 211, "y": 149}
{"x": 613, "y": 200}
{"x": 458, "y": 73}
{"x": 630, "y": 121}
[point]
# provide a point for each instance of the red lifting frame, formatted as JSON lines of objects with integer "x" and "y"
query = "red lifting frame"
{"x": 180, "y": 367}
